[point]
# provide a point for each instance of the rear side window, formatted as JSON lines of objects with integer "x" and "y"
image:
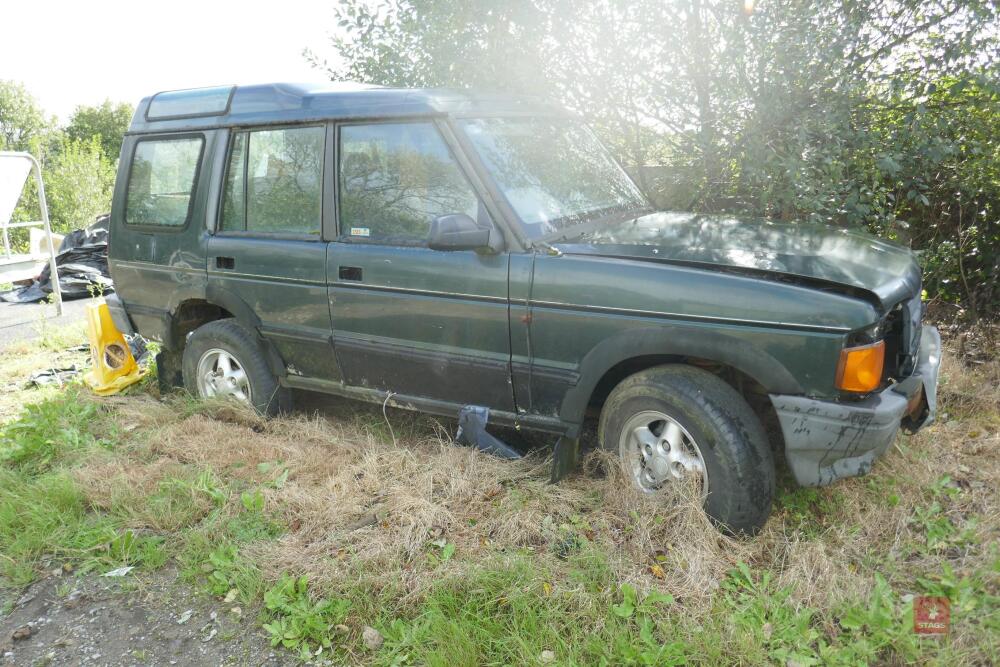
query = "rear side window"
{"x": 395, "y": 178}
{"x": 161, "y": 182}
{"x": 275, "y": 182}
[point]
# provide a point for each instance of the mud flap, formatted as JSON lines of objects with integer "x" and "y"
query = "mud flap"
{"x": 564, "y": 457}
{"x": 472, "y": 421}
{"x": 168, "y": 371}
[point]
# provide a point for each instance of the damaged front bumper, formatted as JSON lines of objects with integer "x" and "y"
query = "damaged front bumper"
{"x": 826, "y": 440}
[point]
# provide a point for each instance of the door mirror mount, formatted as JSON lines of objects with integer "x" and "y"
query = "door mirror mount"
{"x": 458, "y": 231}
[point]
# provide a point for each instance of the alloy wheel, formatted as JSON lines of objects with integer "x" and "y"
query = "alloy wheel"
{"x": 221, "y": 374}
{"x": 656, "y": 450}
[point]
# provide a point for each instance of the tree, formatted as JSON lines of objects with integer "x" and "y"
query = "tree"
{"x": 78, "y": 178}
{"x": 107, "y": 121}
{"x": 78, "y": 184}
{"x": 794, "y": 110}
{"x": 21, "y": 119}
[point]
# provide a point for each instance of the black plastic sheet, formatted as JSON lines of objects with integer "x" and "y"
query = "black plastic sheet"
{"x": 82, "y": 261}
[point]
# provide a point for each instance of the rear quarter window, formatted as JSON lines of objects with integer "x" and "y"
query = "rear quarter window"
{"x": 161, "y": 181}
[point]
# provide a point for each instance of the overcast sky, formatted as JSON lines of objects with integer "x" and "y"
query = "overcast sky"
{"x": 75, "y": 52}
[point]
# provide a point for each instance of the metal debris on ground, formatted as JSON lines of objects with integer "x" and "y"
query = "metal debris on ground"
{"x": 58, "y": 376}
{"x": 472, "y": 420}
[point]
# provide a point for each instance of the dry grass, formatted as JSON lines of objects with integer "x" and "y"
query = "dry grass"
{"x": 369, "y": 504}
{"x": 363, "y": 510}
{"x": 363, "y": 507}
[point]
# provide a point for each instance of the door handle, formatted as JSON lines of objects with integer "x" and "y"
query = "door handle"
{"x": 225, "y": 263}
{"x": 350, "y": 273}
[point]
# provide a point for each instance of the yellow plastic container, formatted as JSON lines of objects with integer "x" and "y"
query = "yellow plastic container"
{"x": 113, "y": 366}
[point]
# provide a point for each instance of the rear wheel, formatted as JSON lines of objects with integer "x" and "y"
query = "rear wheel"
{"x": 674, "y": 423}
{"x": 220, "y": 373}
{"x": 223, "y": 359}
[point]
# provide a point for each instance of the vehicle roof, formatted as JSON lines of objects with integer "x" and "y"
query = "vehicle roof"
{"x": 272, "y": 103}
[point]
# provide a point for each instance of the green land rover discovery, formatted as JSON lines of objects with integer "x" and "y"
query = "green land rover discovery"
{"x": 483, "y": 257}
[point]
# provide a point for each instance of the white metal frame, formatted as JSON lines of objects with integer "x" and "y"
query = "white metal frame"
{"x": 6, "y": 225}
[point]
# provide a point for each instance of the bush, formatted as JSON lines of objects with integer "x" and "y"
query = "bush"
{"x": 78, "y": 184}
{"x": 872, "y": 114}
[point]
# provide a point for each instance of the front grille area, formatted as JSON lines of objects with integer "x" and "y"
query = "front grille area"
{"x": 902, "y": 338}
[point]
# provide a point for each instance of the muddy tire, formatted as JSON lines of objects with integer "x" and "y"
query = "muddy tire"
{"x": 224, "y": 358}
{"x": 676, "y": 420}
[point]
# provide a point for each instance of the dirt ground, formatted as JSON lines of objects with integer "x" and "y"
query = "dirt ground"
{"x": 138, "y": 619}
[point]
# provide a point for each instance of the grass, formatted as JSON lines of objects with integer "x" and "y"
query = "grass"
{"x": 329, "y": 522}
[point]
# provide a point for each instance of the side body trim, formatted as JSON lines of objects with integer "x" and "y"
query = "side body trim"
{"x": 420, "y": 404}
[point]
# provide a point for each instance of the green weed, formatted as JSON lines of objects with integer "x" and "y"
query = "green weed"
{"x": 765, "y": 617}
{"x": 211, "y": 551}
{"x": 299, "y": 622}
{"x": 938, "y": 526}
{"x": 808, "y": 510}
{"x": 508, "y": 613}
{"x": 130, "y": 549}
{"x": 50, "y": 432}
{"x": 252, "y": 502}
{"x": 880, "y": 631}
{"x": 46, "y": 515}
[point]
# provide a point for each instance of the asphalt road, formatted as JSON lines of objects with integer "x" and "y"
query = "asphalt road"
{"x": 25, "y": 321}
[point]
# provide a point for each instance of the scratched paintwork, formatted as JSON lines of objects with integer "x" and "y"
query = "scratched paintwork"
{"x": 826, "y": 441}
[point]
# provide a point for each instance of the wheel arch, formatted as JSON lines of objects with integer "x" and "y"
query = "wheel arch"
{"x": 220, "y": 303}
{"x": 191, "y": 314}
{"x": 630, "y": 352}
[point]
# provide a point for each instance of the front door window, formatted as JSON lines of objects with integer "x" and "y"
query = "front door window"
{"x": 394, "y": 179}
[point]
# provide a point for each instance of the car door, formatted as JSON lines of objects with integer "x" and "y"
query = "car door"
{"x": 268, "y": 252}
{"x": 408, "y": 319}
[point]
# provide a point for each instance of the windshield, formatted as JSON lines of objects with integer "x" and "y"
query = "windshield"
{"x": 553, "y": 171}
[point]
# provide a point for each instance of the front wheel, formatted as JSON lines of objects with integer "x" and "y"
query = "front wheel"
{"x": 675, "y": 422}
{"x": 223, "y": 359}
